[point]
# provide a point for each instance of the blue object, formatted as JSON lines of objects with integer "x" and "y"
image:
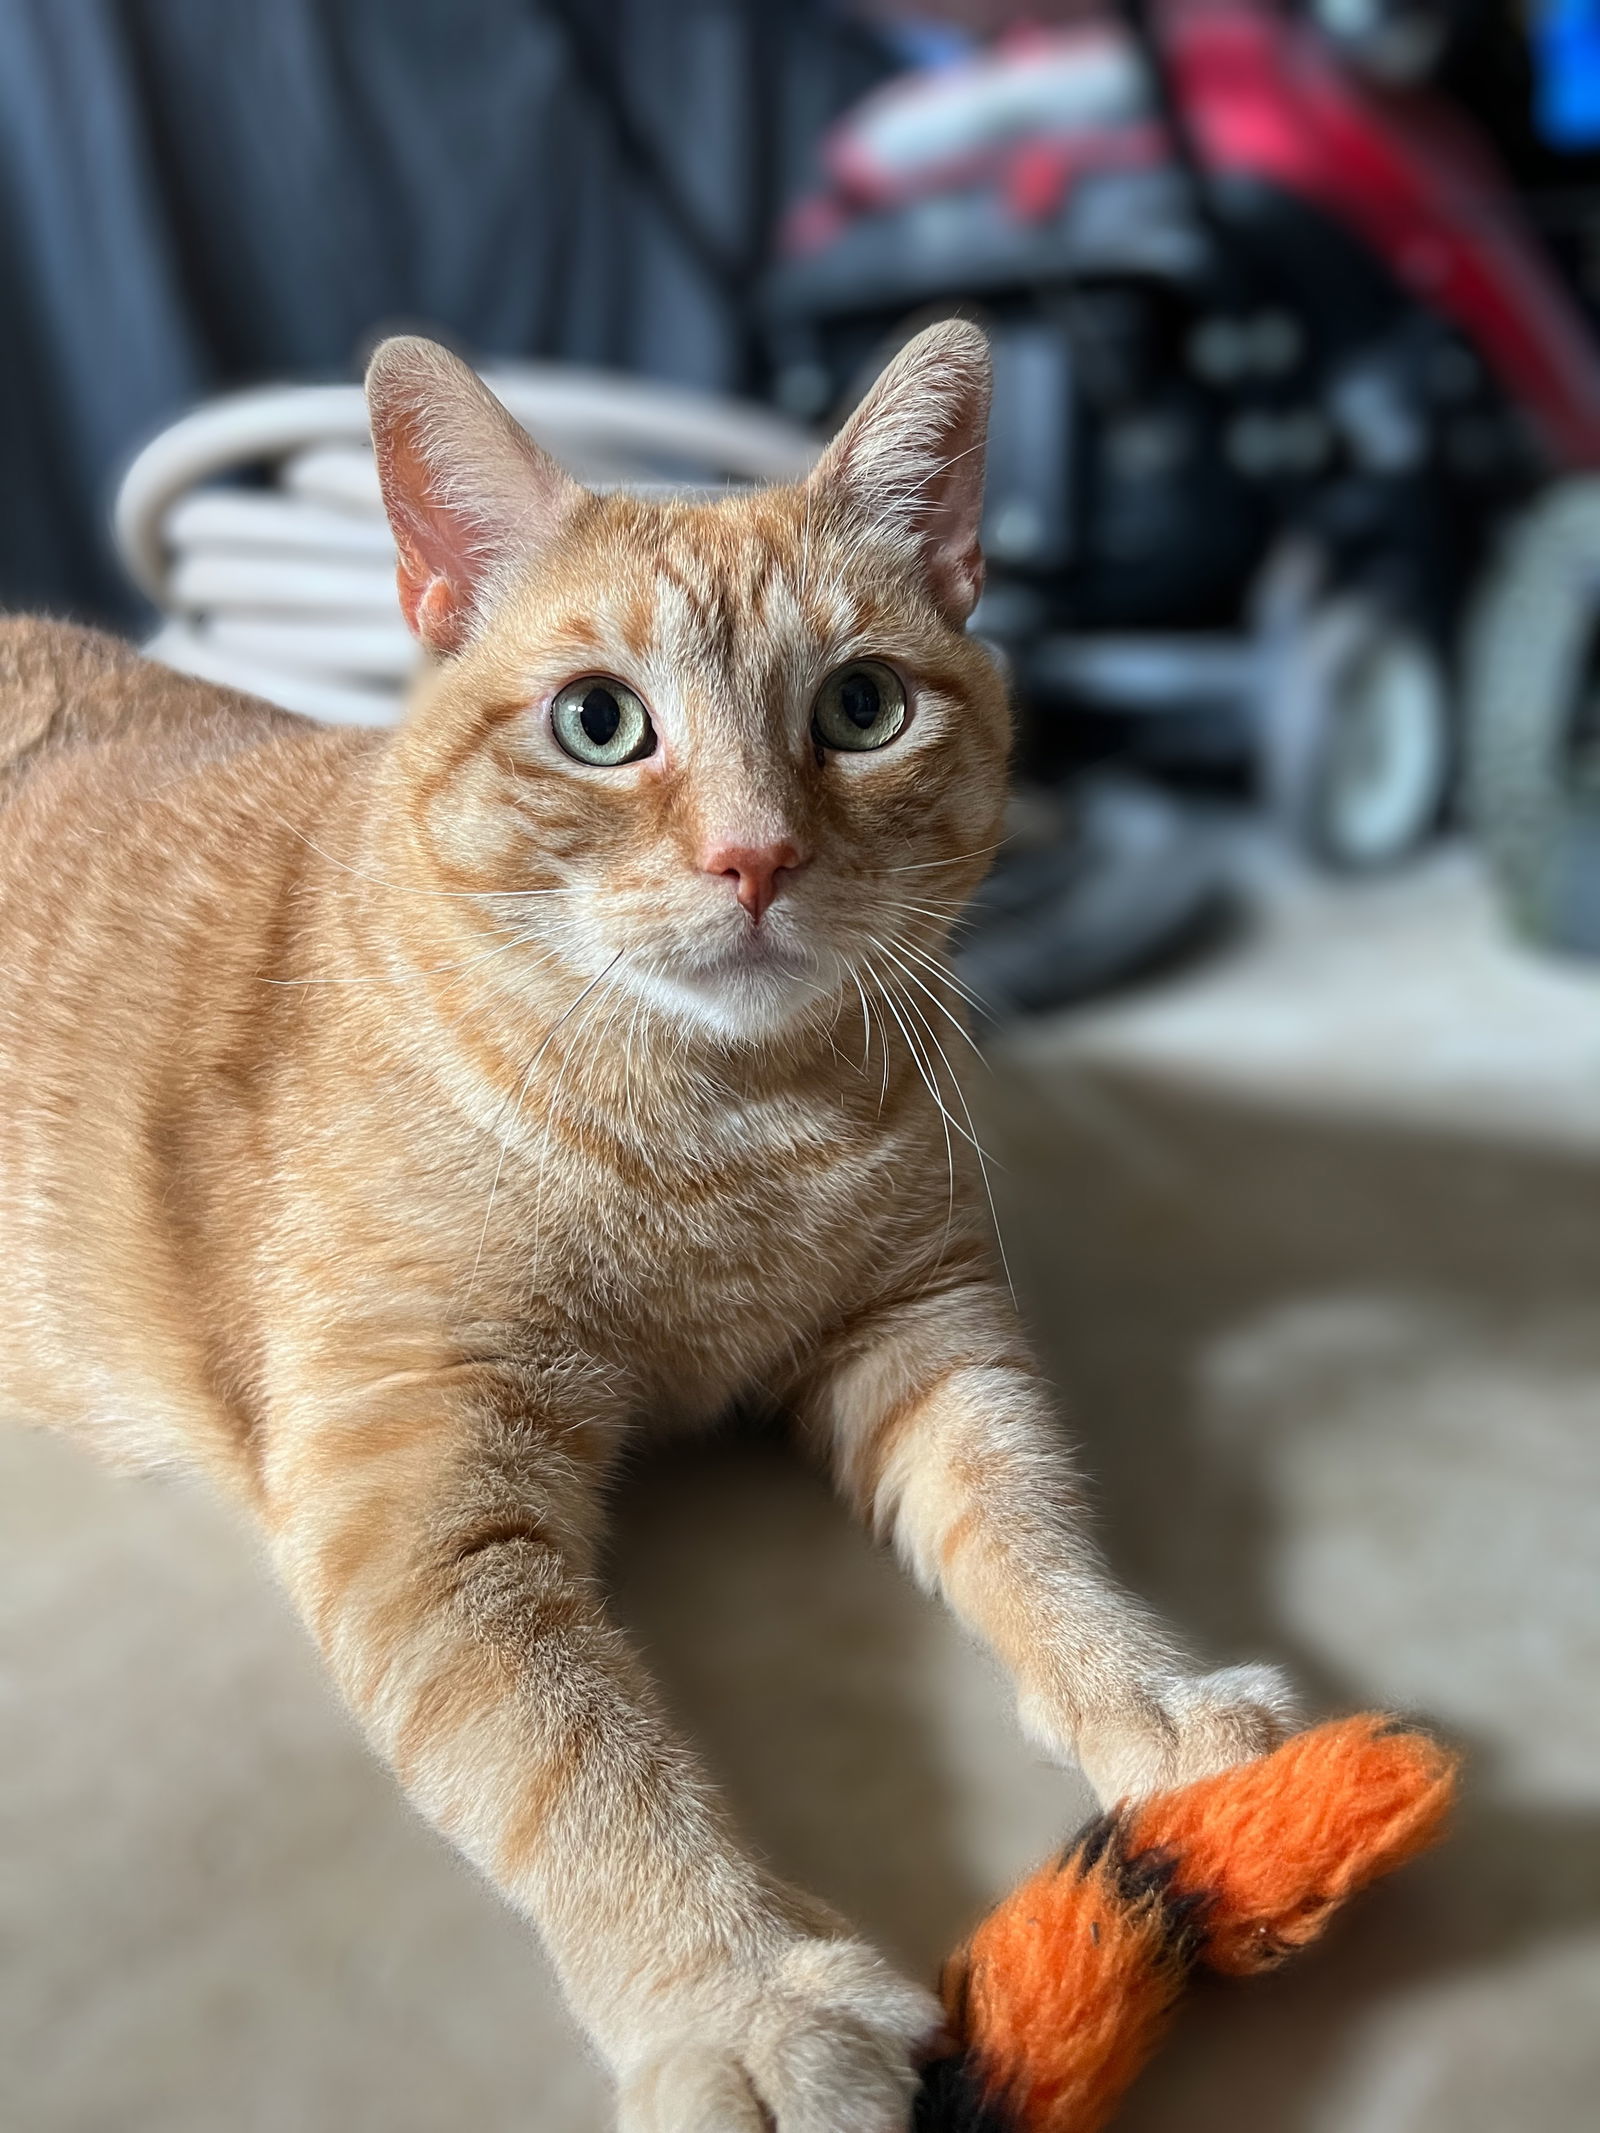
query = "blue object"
{"x": 926, "y": 47}
{"x": 1566, "y": 71}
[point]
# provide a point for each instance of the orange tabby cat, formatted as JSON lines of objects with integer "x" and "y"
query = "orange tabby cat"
{"x": 397, "y": 1122}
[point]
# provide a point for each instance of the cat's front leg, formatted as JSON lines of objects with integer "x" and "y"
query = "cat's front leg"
{"x": 943, "y": 1435}
{"x": 437, "y": 1530}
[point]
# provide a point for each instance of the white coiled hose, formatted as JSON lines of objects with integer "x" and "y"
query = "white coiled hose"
{"x": 256, "y": 526}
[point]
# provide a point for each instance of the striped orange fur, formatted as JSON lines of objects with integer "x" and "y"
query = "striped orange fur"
{"x": 400, "y": 1123}
{"x": 1058, "y": 1999}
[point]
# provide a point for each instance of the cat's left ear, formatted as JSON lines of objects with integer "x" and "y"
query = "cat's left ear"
{"x": 908, "y": 465}
{"x": 466, "y": 488}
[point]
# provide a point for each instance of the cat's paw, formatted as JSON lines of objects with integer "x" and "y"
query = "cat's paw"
{"x": 1172, "y": 1730}
{"x": 825, "y": 2038}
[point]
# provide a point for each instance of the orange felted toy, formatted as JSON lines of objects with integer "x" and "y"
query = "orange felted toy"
{"x": 1061, "y": 1995}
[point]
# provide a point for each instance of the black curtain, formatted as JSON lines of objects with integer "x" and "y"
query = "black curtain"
{"x": 201, "y": 193}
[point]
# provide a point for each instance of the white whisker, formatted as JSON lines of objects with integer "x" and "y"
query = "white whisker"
{"x": 962, "y": 990}
{"x": 923, "y": 866}
{"x": 521, "y": 1093}
{"x": 403, "y": 888}
{"x": 553, "y": 1103}
{"x": 888, "y": 994}
{"x": 949, "y": 1014}
{"x": 425, "y": 970}
{"x": 983, "y": 1155}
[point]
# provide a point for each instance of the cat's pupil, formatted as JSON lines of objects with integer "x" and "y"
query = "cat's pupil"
{"x": 860, "y": 700}
{"x": 601, "y": 716}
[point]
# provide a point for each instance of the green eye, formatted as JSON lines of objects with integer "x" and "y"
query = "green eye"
{"x": 862, "y": 706}
{"x": 599, "y": 721}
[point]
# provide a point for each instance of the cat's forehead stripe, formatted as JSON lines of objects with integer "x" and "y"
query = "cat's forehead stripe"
{"x": 739, "y": 602}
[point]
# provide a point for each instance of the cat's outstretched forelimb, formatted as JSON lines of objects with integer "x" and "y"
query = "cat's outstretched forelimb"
{"x": 436, "y": 1527}
{"x": 946, "y": 1439}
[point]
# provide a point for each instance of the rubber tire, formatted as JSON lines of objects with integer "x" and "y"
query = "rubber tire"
{"x": 1133, "y": 881}
{"x": 1530, "y": 648}
{"x": 1300, "y": 735}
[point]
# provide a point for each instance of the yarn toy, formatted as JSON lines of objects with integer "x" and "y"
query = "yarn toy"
{"x": 1062, "y": 1994}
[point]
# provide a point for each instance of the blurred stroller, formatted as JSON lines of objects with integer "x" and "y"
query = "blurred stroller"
{"x": 1280, "y": 362}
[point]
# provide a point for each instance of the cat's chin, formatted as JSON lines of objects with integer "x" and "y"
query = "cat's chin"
{"x": 738, "y": 999}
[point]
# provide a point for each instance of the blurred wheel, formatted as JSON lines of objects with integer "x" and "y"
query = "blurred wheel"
{"x": 1355, "y": 747}
{"x": 1533, "y": 719}
{"x": 1107, "y": 885}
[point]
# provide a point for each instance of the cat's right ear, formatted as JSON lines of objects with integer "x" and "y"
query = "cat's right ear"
{"x": 908, "y": 465}
{"x": 466, "y": 488}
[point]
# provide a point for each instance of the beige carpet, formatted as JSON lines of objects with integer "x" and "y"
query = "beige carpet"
{"x": 1313, "y": 1241}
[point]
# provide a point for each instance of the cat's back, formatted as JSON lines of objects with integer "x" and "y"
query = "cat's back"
{"x": 144, "y": 817}
{"x": 64, "y": 689}
{"x": 112, "y": 766}
{"x": 154, "y": 840}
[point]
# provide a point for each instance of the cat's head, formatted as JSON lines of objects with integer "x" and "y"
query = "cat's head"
{"x": 743, "y": 749}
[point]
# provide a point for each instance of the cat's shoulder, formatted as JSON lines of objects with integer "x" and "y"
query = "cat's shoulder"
{"x": 64, "y": 686}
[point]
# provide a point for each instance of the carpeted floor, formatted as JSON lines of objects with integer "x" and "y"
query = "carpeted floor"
{"x": 1312, "y": 1240}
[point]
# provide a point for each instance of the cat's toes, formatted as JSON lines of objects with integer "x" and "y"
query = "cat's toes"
{"x": 830, "y": 2040}
{"x": 690, "y": 2087}
{"x": 840, "y": 2041}
{"x": 1182, "y": 1727}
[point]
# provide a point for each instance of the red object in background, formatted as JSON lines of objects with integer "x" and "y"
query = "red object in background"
{"x": 1265, "y": 99}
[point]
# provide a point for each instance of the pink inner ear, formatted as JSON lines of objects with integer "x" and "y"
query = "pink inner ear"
{"x": 437, "y": 570}
{"x": 955, "y": 570}
{"x": 952, "y": 508}
{"x": 910, "y": 459}
{"x": 431, "y": 607}
{"x": 466, "y": 490}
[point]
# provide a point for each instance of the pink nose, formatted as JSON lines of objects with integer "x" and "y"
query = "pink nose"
{"x": 754, "y": 871}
